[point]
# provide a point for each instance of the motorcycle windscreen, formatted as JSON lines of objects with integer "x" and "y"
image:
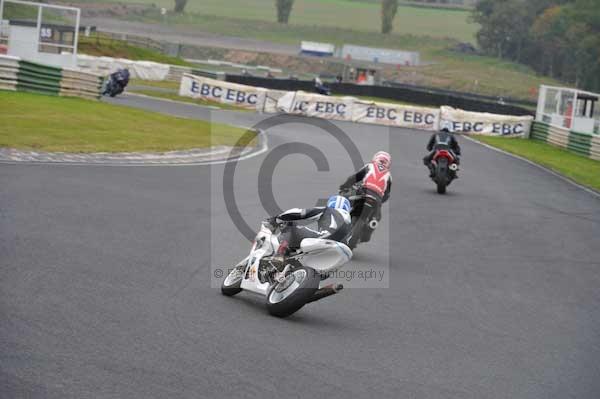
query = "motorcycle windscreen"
{"x": 324, "y": 255}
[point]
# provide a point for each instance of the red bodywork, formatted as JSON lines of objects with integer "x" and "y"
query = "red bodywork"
{"x": 443, "y": 154}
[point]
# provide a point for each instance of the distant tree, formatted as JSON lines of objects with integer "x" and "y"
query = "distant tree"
{"x": 388, "y": 12}
{"x": 548, "y": 36}
{"x": 284, "y": 9}
{"x": 560, "y": 38}
{"x": 180, "y": 5}
{"x": 504, "y": 27}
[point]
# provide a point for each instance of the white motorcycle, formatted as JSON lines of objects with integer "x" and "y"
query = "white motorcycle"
{"x": 287, "y": 281}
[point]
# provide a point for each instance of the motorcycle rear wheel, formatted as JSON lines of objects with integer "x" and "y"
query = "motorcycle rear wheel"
{"x": 442, "y": 176}
{"x": 441, "y": 188}
{"x": 290, "y": 296}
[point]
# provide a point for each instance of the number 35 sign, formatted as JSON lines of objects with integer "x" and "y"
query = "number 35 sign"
{"x": 46, "y": 33}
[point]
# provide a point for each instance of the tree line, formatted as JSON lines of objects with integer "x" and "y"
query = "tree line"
{"x": 558, "y": 38}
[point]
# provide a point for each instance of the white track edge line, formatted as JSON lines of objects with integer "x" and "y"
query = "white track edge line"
{"x": 263, "y": 148}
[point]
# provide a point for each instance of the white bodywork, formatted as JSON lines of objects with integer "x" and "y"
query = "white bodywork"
{"x": 322, "y": 255}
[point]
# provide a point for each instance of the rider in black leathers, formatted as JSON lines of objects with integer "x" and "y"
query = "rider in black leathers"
{"x": 444, "y": 139}
{"x": 122, "y": 77}
{"x": 332, "y": 224}
{"x": 117, "y": 82}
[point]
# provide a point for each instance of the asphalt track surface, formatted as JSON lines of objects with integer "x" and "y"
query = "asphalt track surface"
{"x": 105, "y": 290}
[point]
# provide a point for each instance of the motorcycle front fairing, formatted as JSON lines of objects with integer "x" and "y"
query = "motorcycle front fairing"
{"x": 265, "y": 244}
{"x": 322, "y": 255}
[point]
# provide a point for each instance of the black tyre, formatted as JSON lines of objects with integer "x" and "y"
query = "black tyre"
{"x": 232, "y": 283}
{"x": 441, "y": 188}
{"x": 356, "y": 233}
{"x": 288, "y": 297}
{"x": 442, "y": 176}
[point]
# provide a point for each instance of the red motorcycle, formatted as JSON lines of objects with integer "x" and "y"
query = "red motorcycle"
{"x": 444, "y": 168}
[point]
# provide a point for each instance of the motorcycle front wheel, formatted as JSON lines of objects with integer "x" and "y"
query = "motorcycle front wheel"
{"x": 232, "y": 283}
{"x": 287, "y": 297}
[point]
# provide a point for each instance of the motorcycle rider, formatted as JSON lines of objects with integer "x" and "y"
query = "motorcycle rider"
{"x": 320, "y": 87}
{"x": 333, "y": 222}
{"x": 374, "y": 177}
{"x": 119, "y": 78}
{"x": 444, "y": 139}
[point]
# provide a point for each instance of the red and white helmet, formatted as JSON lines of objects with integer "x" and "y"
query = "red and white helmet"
{"x": 384, "y": 159}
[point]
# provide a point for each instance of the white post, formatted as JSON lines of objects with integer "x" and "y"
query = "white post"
{"x": 1, "y": 10}
{"x": 539, "y": 115}
{"x": 39, "y": 27}
{"x": 573, "y": 106}
{"x": 76, "y": 39}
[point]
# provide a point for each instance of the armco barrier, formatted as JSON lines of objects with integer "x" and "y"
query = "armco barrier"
{"x": 580, "y": 143}
{"x": 411, "y": 94}
{"x": 21, "y": 75}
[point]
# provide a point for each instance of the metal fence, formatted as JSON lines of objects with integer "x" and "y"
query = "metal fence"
{"x": 134, "y": 40}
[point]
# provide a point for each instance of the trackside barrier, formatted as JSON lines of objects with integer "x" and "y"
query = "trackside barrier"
{"x": 9, "y": 67}
{"x": 146, "y": 70}
{"x": 80, "y": 84}
{"x": 38, "y": 78}
{"x": 242, "y": 96}
{"x": 352, "y": 109}
{"x": 421, "y": 95}
{"x": 176, "y": 73}
{"x": 20, "y": 75}
{"x": 583, "y": 144}
{"x": 458, "y": 120}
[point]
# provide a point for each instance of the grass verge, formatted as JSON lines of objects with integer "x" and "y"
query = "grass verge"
{"x": 443, "y": 68}
{"x": 56, "y": 124}
{"x": 358, "y": 15}
{"x": 583, "y": 170}
{"x": 99, "y": 45}
{"x": 431, "y": 31}
{"x": 161, "y": 84}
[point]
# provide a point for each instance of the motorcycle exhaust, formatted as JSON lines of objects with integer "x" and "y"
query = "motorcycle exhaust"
{"x": 453, "y": 167}
{"x": 373, "y": 224}
{"x": 326, "y": 291}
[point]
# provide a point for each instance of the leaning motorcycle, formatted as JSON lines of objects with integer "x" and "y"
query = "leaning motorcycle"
{"x": 364, "y": 213}
{"x": 288, "y": 279}
{"x": 444, "y": 168}
{"x": 113, "y": 87}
